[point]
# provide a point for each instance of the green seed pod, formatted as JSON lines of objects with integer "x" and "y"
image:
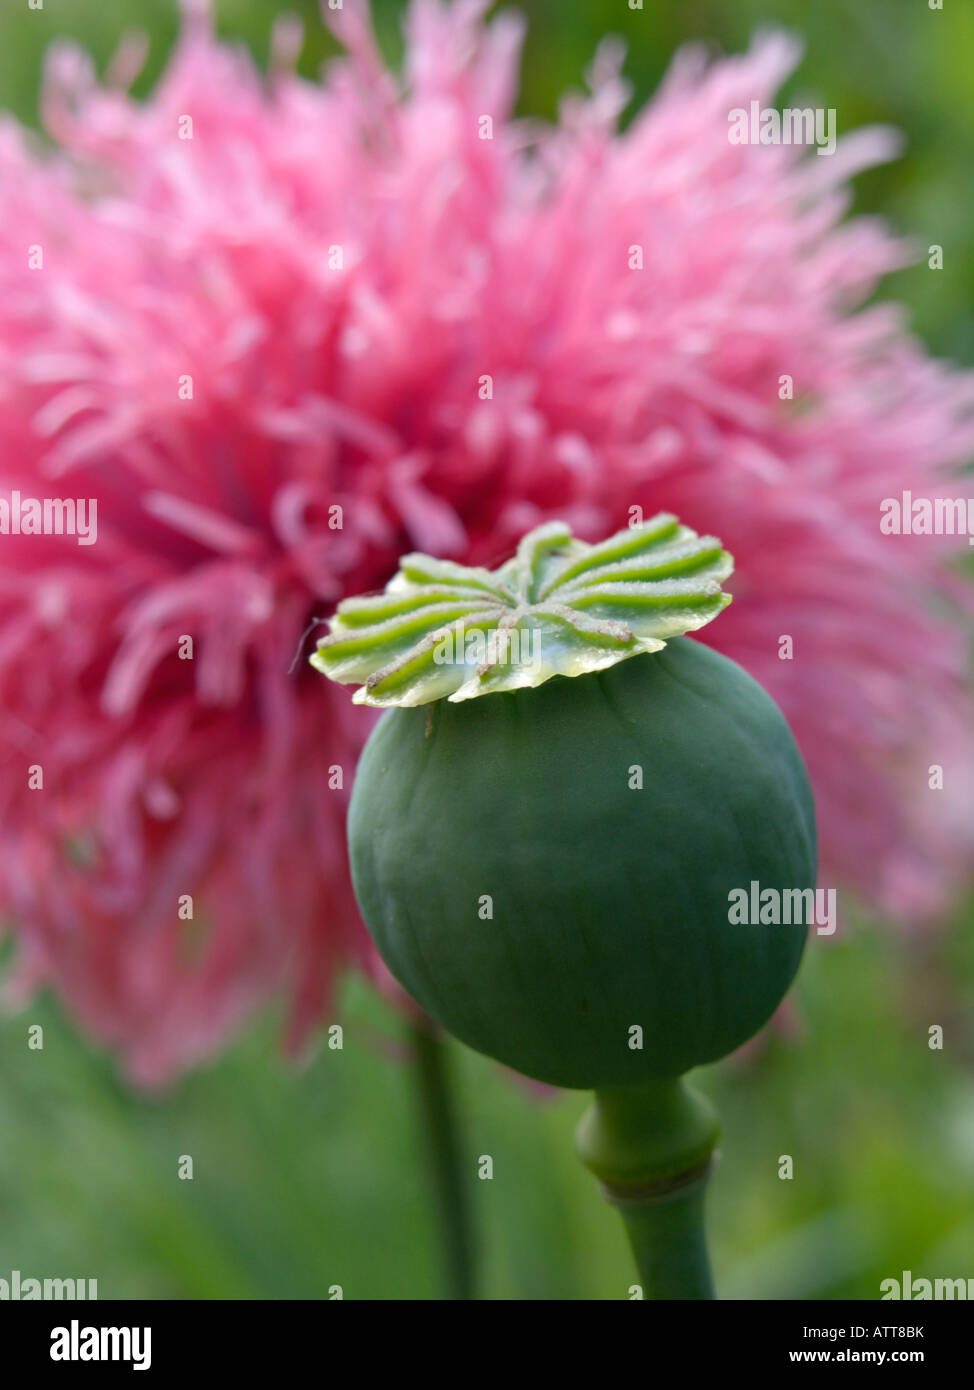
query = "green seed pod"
{"x": 546, "y": 850}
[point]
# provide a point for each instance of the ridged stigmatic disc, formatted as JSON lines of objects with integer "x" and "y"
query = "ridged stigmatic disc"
{"x": 560, "y": 607}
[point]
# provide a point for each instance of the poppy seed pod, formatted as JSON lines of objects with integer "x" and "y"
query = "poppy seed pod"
{"x": 548, "y": 870}
{"x": 550, "y": 825}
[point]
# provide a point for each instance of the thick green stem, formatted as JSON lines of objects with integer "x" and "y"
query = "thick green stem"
{"x": 669, "y": 1244}
{"x": 451, "y": 1191}
{"x": 652, "y": 1147}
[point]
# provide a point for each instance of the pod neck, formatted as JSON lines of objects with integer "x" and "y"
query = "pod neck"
{"x": 652, "y": 1149}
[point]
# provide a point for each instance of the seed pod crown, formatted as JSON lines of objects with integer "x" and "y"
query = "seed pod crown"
{"x": 559, "y": 607}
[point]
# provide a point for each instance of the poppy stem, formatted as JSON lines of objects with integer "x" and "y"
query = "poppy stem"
{"x": 451, "y": 1191}
{"x": 652, "y": 1148}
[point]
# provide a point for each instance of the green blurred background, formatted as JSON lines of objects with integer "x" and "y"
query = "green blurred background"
{"x": 312, "y": 1175}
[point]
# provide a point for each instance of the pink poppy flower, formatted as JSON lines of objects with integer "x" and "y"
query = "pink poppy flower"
{"x": 282, "y": 331}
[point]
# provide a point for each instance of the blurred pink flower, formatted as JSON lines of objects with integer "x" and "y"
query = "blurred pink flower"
{"x": 337, "y": 267}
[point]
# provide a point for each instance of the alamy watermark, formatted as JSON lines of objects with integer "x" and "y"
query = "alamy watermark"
{"x": 795, "y": 125}
{"x": 19, "y": 1289}
{"x": 907, "y": 515}
{"x": 505, "y": 646}
{"x": 49, "y": 516}
{"x": 77, "y": 1343}
{"x": 756, "y": 906}
{"x": 923, "y": 1290}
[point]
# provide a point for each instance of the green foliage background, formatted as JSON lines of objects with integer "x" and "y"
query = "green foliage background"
{"x": 312, "y": 1175}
